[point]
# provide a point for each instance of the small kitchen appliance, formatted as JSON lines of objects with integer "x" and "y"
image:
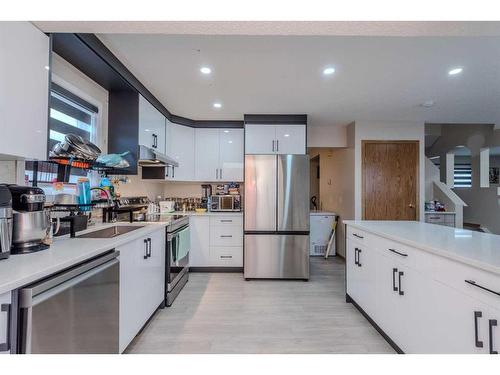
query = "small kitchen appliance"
{"x": 206, "y": 192}
{"x": 167, "y": 207}
{"x": 5, "y": 222}
{"x": 30, "y": 221}
{"x": 225, "y": 203}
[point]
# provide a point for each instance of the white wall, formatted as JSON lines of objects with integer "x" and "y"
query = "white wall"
{"x": 387, "y": 131}
{"x": 326, "y": 136}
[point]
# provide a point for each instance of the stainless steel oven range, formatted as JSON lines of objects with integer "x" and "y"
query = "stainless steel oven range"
{"x": 177, "y": 267}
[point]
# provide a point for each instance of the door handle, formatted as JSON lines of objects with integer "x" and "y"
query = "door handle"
{"x": 401, "y": 274}
{"x": 357, "y": 235}
{"x": 477, "y": 315}
{"x": 6, "y": 307}
{"x": 492, "y": 323}
{"x": 145, "y": 248}
{"x": 226, "y": 256}
{"x": 359, "y": 253}
{"x": 173, "y": 171}
{"x": 356, "y": 256}
{"x": 397, "y": 252}
{"x": 220, "y": 173}
{"x": 411, "y": 205}
{"x": 149, "y": 248}
{"x": 273, "y": 145}
{"x": 226, "y": 236}
{"x": 277, "y": 145}
{"x": 394, "y": 272}
{"x": 473, "y": 283}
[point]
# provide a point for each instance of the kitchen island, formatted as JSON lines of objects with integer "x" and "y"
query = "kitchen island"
{"x": 425, "y": 287}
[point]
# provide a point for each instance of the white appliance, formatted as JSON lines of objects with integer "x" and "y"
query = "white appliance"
{"x": 167, "y": 207}
{"x": 321, "y": 224}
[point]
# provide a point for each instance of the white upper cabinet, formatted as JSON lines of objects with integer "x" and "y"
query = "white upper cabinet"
{"x": 180, "y": 146}
{"x": 152, "y": 126}
{"x": 275, "y": 139}
{"x": 219, "y": 154}
{"x": 260, "y": 139}
{"x": 291, "y": 139}
{"x": 24, "y": 90}
{"x": 231, "y": 154}
{"x": 207, "y": 154}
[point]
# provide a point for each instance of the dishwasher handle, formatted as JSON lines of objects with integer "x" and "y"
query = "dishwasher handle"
{"x": 36, "y": 294}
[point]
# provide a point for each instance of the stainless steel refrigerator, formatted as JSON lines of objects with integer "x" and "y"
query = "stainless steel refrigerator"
{"x": 276, "y": 242}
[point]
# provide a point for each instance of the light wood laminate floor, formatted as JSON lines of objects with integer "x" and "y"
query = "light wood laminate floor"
{"x": 223, "y": 313}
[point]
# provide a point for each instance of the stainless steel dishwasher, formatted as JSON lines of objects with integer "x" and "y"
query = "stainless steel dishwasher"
{"x": 75, "y": 311}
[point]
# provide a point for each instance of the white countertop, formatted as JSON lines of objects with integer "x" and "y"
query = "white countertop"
{"x": 320, "y": 213}
{"x": 65, "y": 252}
{"x": 439, "y": 212}
{"x": 208, "y": 213}
{"x": 481, "y": 250}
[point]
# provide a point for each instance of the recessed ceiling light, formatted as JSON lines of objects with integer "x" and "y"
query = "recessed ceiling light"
{"x": 229, "y": 141}
{"x": 455, "y": 71}
{"x": 217, "y": 105}
{"x": 287, "y": 135}
{"x": 206, "y": 70}
{"x": 226, "y": 131}
{"x": 328, "y": 71}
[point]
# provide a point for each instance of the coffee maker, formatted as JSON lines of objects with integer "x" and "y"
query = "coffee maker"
{"x": 31, "y": 221}
{"x": 5, "y": 222}
{"x": 206, "y": 193}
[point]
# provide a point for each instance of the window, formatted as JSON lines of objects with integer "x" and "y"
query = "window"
{"x": 462, "y": 176}
{"x": 68, "y": 113}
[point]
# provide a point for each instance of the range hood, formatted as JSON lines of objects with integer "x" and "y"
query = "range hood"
{"x": 149, "y": 157}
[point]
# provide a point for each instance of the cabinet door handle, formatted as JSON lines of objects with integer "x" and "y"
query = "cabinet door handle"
{"x": 220, "y": 173}
{"x": 397, "y": 252}
{"x": 149, "y": 250}
{"x": 473, "y": 283}
{"x": 155, "y": 139}
{"x": 477, "y": 315}
{"x": 226, "y": 221}
{"x": 277, "y": 145}
{"x": 145, "y": 248}
{"x": 6, "y": 307}
{"x": 226, "y": 236}
{"x": 273, "y": 145}
{"x": 394, "y": 272}
{"x": 359, "y": 253}
{"x": 401, "y": 274}
{"x": 356, "y": 256}
{"x": 173, "y": 171}
{"x": 357, "y": 235}
{"x": 226, "y": 256}
{"x": 492, "y": 323}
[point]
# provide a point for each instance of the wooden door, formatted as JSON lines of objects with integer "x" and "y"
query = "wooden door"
{"x": 390, "y": 180}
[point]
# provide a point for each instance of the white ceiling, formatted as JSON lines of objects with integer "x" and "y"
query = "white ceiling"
{"x": 376, "y": 78}
{"x": 337, "y": 28}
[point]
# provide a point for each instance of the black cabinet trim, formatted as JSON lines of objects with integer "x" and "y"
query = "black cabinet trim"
{"x": 87, "y": 53}
{"x": 274, "y": 119}
{"x": 375, "y": 325}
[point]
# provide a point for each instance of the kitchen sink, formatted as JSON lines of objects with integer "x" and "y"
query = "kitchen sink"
{"x": 111, "y": 232}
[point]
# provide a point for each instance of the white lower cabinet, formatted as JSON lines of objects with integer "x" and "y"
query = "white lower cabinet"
{"x": 5, "y": 303}
{"x": 199, "y": 228}
{"x": 421, "y": 301}
{"x": 142, "y": 283}
{"x": 216, "y": 241}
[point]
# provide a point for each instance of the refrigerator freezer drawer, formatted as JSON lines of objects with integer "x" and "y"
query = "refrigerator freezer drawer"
{"x": 276, "y": 256}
